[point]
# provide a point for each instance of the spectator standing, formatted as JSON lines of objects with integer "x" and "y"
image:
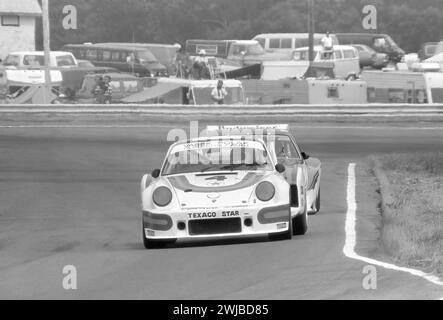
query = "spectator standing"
{"x": 107, "y": 90}
{"x": 98, "y": 90}
{"x": 219, "y": 93}
{"x": 328, "y": 45}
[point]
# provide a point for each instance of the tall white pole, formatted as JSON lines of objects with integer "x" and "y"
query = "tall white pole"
{"x": 47, "y": 49}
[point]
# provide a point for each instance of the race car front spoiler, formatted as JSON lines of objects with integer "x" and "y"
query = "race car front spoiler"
{"x": 250, "y": 221}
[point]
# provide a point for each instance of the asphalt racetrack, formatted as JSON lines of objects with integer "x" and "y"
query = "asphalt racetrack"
{"x": 70, "y": 196}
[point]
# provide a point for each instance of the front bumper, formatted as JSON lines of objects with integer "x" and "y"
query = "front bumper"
{"x": 222, "y": 222}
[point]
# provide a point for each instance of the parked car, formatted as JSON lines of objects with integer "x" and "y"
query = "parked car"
{"x": 122, "y": 85}
{"x": 371, "y": 58}
{"x": 166, "y": 54}
{"x": 73, "y": 78}
{"x": 132, "y": 59}
{"x": 345, "y": 60}
{"x": 382, "y": 43}
{"x": 288, "y": 42}
{"x": 36, "y": 60}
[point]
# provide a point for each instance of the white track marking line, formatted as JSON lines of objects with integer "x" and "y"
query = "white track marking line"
{"x": 351, "y": 235}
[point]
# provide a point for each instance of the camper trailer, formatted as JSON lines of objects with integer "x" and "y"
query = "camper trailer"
{"x": 307, "y": 91}
{"x": 404, "y": 87}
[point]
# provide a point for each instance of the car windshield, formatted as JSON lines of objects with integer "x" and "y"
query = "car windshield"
{"x": 34, "y": 60}
{"x": 249, "y": 50}
{"x": 12, "y": 60}
{"x": 65, "y": 61}
{"x": 217, "y": 156}
{"x": 303, "y": 55}
{"x": 147, "y": 56}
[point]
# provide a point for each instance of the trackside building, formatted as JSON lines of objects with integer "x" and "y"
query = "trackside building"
{"x": 17, "y": 25}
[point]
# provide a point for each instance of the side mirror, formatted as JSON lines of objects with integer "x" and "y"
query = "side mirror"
{"x": 280, "y": 168}
{"x": 156, "y": 173}
{"x": 305, "y": 156}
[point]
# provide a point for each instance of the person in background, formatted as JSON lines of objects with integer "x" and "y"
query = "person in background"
{"x": 199, "y": 65}
{"x": 219, "y": 93}
{"x": 98, "y": 90}
{"x": 328, "y": 45}
{"x": 107, "y": 90}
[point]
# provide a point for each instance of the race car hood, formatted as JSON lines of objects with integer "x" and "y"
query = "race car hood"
{"x": 221, "y": 189}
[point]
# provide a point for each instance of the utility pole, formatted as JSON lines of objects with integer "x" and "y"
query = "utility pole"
{"x": 311, "y": 30}
{"x": 47, "y": 49}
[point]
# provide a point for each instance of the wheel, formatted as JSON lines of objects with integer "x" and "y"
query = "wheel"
{"x": 156, "y": 244}
{"x": 287, "y": 235}
{"x": 318, "y": 201}
{"x": 300, "y": 224}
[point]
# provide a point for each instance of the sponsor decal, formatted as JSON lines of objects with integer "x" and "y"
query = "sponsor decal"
{"x": 218, "y": 144}
{"x": 213, "y": 215}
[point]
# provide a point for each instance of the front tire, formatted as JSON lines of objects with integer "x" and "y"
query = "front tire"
{"x": 300, "y": 224}
{"x": 287, "y": 235}
{"x": 156, "y": 244}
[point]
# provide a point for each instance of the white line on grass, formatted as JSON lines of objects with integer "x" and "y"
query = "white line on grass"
{"x": 351, "y": 235}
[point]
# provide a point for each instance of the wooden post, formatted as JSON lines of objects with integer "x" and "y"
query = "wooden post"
{"x": 47, "y": 49}
{"x": 311, "y": 30}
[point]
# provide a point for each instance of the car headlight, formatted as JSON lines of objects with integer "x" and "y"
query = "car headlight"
{"x": 162, "y": 196}
{"x": 265, "y": 191}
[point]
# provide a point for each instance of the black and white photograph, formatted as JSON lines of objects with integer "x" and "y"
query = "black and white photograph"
{"x": 220, "y": 156}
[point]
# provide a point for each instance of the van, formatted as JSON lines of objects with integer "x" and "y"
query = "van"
{"x": 288, "y": 42}
{"x": 382, "y": 43}
{"x": 345, "y": 59}
{"x": 132, "y": 59}
{"x": 166, "y": 54}
{"x": 36, "y": 60}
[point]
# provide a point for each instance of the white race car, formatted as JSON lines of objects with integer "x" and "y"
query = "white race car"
{"x": 223, "y": 186}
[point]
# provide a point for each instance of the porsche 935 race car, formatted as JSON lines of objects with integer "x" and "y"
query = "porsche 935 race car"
{"x": 225, "y": 186}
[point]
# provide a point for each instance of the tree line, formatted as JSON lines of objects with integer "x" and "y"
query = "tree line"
{"x": 409, "y": 22}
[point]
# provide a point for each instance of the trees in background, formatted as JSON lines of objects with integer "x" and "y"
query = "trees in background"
{"x": 409, "y": 22}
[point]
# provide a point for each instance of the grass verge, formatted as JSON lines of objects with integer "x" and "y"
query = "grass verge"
{"x": 411, "y": 186}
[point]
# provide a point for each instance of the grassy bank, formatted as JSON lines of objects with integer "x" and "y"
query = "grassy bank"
{"x": 412, "y": 190}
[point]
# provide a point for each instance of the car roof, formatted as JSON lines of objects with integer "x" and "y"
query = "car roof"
{"x": 282, "y": 35}
{"x": 113, "y": 75}
{"x": 40, "y": 53}
{"x": 336, "y": 47}
{"x": 108, "y": 47}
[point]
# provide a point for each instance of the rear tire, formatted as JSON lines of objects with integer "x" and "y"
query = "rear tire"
{"x": 317, "y": 204}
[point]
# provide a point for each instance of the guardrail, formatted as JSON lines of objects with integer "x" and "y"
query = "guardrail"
{"x": 244, "y": 110}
